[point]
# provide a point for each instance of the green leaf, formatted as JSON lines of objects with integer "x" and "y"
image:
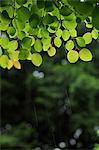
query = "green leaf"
{"x": 23, "y": 14}
{"x": 69, "y": 24}
{"x": 13, "y": 45}
{"x": 26, "y": 43}
{"x": 3, "y": 26}
{"x": 36, "y": 59}
{"x": 38, "y": 45}
{"x": 14, "y": 55}
{"x": 4, "y": 42}
{"x": 57, "y": 42}
{"x": 49, "y": 6}
{"x": 73, "y": 32}
{"x": 23, "y": 54}
{"x": 34, "y": 20}
{"x": 80, "y": 41}
{"x": 5, "y": 17}
{"x": 21, "y": 35}
{"x": 51, "y": 51}
{"x": 94, "y": 34}
{"x": 72, "y": 56}
{"x": 11, "y": 31}
{"x": 65, "y": 11}
{"x": 87, "y": 37}
{"x": 85, "y": 54}
{"x": 46, "y": 43}
{"x": 69, "y": 45}
{"x": 10, "y": 11}
{"x": 65, "y": 35}
{"x": 48, "y": 19}
{"x": 59, "y": 33}
{"x": 4, "y": 61}
{"x": 18, "y": 24}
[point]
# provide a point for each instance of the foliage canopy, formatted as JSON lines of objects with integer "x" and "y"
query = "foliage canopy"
{"x": 31, "y": 27}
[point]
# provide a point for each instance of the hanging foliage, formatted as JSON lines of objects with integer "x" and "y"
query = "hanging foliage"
{"x": 30, "y": 28}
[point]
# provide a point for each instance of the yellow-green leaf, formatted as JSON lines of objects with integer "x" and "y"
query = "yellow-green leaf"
{"x": 85, "y": 54}
{"x": 36, "y": 59}
{"x": 72, "y": 56}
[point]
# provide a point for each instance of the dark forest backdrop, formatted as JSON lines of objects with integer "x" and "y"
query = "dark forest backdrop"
{"x": 52, "y": 106}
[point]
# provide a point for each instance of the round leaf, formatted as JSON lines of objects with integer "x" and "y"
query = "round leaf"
{"x": 36, "y": 59}
{"x": 38, "y": 45}
{"x": 51, "y": 51}
{"x": 26, "y": 42}
{"x": 69, "y": 45}
{"x": 72, "y": 56}
{"x": 87, "y": 37}
{"x": 85, "y": 55}
{"x": 57, "y": 42}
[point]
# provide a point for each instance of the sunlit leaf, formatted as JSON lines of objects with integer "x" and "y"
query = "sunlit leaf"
{"x": 94, "y": 34}
{"x": 38, "y": 45}
{"x": 13, "y": 45}
{"x": 80, "y": 41}
{"x": 17, "y": 64}
{"x": 36, "y": 59}
{"x": 72, "y": 56}
{"x": 65, "y": 35}
{"x": 4, "y": 61}
{"x": 69, "y": 45}
{"x": 51, "y": 51}
{"x": 4, "y": 42}
{"x": 87, "y": 37}
{"x": 10, "y": 64}
{"x": 85, "y": 54}
{"x": 57, "y": 41}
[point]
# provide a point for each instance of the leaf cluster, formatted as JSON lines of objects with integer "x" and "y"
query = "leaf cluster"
{"x": 29, "y": 28}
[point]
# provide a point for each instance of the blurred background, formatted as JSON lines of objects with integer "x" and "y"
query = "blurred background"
{"x": 55, "y": 106}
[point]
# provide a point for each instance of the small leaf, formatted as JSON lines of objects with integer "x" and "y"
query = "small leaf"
{"x": 38, "y": 45}
{"x": 23, "y": 13}
{"x": 36, "y": 59}
{"x": 71, "y": 24}
{"x": 65, "y": 11}
{"x": 10, "y": 64}
{"x": 14, "y": 55}
{"x": 26, "y": 42}
{"x": 13, "y": 45}
{"x": 65, "y": 35}
{"x": 87, "y": 37}
{"x": 17, "y": 64}
{"x": 94, "y": 34}
{"x": 11, "y": 31}
{"x": 69, "y": 45}
{"x": 72, "y": 56}
{"x": 4, "y": 42}
{"x": 80, "y": 41}
{"x": 59, "y": 33}
{"x": 85, "y": 55}
{"x": 73, "y": 32}
{"x": 4, "y": 61}
{"x": 34, "y": 20}
{"x": 57, "y": 42}
{"x": 23, "y": 54}
{"x": 51, "y": 51}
